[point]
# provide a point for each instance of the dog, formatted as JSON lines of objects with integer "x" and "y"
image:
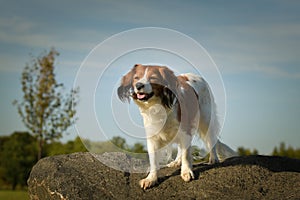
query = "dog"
{"x": 174, "y": 109}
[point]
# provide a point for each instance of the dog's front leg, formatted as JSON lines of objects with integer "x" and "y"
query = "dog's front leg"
{"x": 151, "y": 179}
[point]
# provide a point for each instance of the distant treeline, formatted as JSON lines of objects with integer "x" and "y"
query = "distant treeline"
{"x": 18, "y": 154}
{"x": 282, "y": 150}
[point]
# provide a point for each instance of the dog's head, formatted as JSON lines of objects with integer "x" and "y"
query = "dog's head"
{"x": 144, "y": 83}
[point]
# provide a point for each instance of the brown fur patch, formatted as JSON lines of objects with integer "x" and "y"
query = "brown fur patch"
{"x": 188, "y": 103}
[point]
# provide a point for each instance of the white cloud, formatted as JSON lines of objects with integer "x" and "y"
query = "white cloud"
{"x": 15, "y": 24}
{"x": 271, "y": 49}
{"x": 19, "y": 31}
{"x": 9, "y": 63}
{"x": 276, "y": 72}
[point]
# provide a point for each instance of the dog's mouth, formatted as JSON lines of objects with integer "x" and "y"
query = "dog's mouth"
{"x": 144, "y": 96}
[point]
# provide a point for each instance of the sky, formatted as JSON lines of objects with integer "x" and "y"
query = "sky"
{"x": 254, "y": 44}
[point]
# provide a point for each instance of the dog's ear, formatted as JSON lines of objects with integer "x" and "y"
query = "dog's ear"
{"x": 169, "y": 79}
{"x": 125, "y": 88}
{"x": 168, "y": 97}
{"x": 170, "y": 86}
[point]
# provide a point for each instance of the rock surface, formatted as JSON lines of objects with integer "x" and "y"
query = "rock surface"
{"x": 82, "y": 176}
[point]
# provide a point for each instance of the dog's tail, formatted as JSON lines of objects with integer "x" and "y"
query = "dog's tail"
{"x": 224, "y": 151}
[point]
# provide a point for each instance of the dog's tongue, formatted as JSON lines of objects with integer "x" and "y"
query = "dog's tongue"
{"x": 141, "y": 95}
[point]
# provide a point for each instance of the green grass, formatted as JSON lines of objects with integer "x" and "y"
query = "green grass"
{"x": 13, "y": 195}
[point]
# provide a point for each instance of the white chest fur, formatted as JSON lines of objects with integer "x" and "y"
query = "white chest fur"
{"x": 161, "y": 125}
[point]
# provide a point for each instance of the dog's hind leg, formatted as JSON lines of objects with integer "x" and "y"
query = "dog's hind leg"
{"x": 177, "y": 161}
{"x": 186, "y": 158}
{"x": 211, "y": 141}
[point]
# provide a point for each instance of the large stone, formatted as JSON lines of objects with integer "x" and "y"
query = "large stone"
{"x": 82, "y": 176}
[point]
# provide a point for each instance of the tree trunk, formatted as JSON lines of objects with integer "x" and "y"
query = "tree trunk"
{"x": 40, "y": 147}
{"x": 14, "y": 183}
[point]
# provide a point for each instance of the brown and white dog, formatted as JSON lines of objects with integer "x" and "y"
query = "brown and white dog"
{"x": 174, "y": 108}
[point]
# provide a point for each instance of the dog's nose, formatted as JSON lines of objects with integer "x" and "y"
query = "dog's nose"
{"x": 139, "y": 85}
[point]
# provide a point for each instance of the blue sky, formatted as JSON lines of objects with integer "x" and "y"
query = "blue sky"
{"x": 255, "y": 44}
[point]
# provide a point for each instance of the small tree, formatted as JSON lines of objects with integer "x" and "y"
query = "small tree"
{"x": 138, "y": 148}
{"x": 44, "y": 110}
{"x": 247, "y": 152}
{"x": 119, "y": 142}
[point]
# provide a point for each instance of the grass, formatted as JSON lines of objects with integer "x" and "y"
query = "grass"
{"x": 13, "y": 195}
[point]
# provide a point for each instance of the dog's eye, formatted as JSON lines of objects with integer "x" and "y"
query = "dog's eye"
{"x": 136, "y": 78}
{"x": 153, "y": 78}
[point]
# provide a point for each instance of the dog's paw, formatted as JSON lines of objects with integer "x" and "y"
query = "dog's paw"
{"x": 187, "y": 175}
{"x": 175, "y": 163}
{"x": 147, "y": 183}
